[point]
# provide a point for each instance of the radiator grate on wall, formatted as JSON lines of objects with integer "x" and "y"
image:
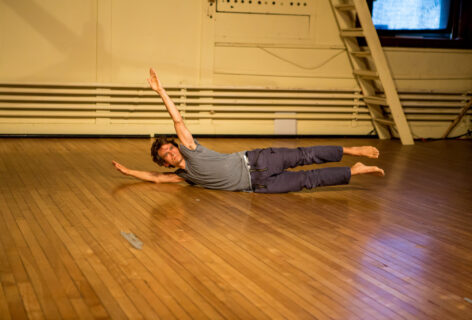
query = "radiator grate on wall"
{"x": 35, "y": 106}
{"x": 291, "y": 7}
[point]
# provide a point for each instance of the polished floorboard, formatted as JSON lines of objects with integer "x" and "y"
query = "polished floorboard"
{"x": 397, "y": 247}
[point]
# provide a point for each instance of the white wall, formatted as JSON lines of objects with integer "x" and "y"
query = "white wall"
{"x": 189, "y": 42}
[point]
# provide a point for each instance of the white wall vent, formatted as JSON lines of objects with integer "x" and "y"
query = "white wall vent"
{"x": 291, "y": 7}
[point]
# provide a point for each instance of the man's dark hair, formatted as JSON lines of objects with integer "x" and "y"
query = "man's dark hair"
{"x": 160, "y": 141}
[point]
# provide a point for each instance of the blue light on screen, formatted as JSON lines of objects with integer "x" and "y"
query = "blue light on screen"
{"x": 410, "y": 14}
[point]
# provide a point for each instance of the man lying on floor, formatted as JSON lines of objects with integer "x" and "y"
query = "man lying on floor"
{"x": 259, "y": 170}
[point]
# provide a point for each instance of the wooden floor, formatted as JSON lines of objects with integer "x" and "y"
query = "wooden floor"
{"x": 398, "y": 247}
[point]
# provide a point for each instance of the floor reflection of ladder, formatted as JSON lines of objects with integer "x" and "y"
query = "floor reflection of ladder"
{"x": 370, "y": 68}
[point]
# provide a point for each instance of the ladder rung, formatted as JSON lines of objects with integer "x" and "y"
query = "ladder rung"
{"x": 375, "y": 100}
{"x": 385, "y": 122}
{"x": 360, "y": 54}
{"x": 368, "y": 74}
{"x": 345, "y": 7}
{"x": 352, "y": 32}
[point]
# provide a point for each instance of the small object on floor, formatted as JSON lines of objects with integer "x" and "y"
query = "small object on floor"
{"x": 468, "y": 300}
{"x": 135, "y": 242}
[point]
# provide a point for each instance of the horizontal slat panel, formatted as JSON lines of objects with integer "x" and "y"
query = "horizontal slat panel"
{"x": 429, "y": 117}
{"x": 146, "y": 87}
{"x": 282, "y": 108}
{"x": 432, "y": 97}
{"x": 127, "y": 103}
{"x": 197, "y": 115}
{"x": 157, "y": 100}
{"x": 433, "y": 110}
{"x": 223, "y": 92}
{"x": 187, "y": 93}
{"x": 431, "y": 104}
{"x": 164, "y": 115}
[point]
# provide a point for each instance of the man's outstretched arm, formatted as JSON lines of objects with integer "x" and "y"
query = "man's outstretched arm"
{"x": 157, "y": 177}
{"x": 182, "y": 132}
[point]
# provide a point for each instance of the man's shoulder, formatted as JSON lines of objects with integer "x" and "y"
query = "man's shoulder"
{"x": 185, "y": 148}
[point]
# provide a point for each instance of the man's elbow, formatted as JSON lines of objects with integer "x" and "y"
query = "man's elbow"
{"x": 179, "y": 123}
{"x": 167, "y": 178}
{"x": 159, "y": 179}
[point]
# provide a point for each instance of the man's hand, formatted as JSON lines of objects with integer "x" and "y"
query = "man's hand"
{"x": 154, "y": 81}
{"x": 157, "y": 177}
{"x": 182, "y": 132}
{"x": 121, "y": 168}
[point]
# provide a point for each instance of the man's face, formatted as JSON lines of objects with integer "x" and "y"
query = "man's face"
{"x": 171, "y": 155}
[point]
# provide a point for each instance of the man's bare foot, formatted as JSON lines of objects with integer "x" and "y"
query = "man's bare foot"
{"x": 364, "y": 151}
{"x": 360, "y": 168}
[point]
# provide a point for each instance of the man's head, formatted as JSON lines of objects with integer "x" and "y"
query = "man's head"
{"x": 165, "y": 152}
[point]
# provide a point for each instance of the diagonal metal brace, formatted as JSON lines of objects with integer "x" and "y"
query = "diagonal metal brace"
{"x": 458, "y": 118}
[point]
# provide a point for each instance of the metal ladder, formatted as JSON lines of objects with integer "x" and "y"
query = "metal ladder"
{"x": 370, "y": 68}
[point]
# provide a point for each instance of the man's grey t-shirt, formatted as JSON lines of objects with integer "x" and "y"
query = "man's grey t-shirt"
{"x": 214, "y": 170}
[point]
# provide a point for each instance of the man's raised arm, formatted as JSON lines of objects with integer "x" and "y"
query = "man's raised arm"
{"x": 182, "y": 132}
